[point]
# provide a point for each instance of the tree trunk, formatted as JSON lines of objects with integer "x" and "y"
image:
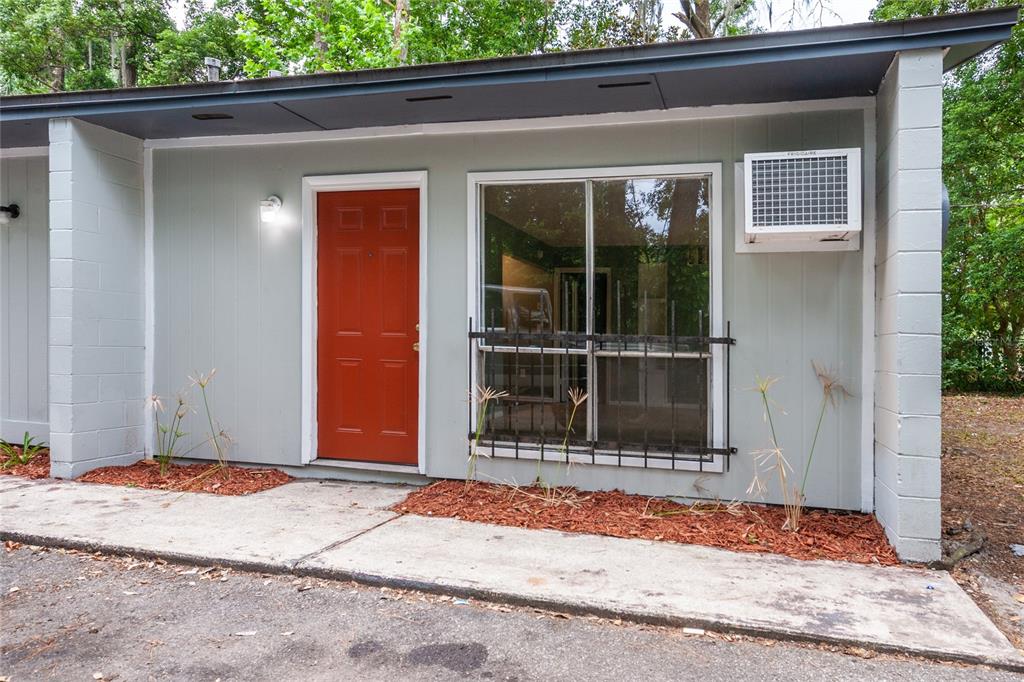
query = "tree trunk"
{"x": 127, "y": 69}
{"x": 1008, "y": 344}
{"x": 57, "y": 78}
{"x": 696, "y": 17}
{"x": 319, "y": 41}
{"x": 401, "y": 8}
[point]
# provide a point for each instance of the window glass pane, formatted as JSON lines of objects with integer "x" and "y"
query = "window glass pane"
{"x": 534, "y": 257}
{"x": 651, "y": 255}
{"x": 538, "y": 403}
{"x": 658, "y": 401}
{"x": 651, "y": 273}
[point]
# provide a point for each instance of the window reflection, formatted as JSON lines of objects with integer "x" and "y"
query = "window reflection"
{"x": 650, "y": 277}
{"x": 534, "y": 254}
{"x": 651, "y": 245}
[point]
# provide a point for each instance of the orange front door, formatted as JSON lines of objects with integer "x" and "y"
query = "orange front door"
{"x": 368, "y": 308}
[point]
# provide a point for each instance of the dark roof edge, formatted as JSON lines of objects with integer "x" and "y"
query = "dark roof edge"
{"x": 982, "y": 29}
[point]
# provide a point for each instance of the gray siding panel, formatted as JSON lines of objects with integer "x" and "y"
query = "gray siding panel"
{"x": 24, "y": 299}
{"x": 216, "y": 268}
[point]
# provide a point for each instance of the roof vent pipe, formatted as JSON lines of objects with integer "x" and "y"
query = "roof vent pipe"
{"x": 212, "y": 68}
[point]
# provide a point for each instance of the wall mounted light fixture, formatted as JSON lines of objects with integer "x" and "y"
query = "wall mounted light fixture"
{"x": 269, "y": 208}
{"x": 9, "y": 213}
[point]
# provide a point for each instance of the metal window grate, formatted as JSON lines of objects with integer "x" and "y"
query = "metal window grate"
{"x": 803, "y": 190}
{"x": 517, "y": 424}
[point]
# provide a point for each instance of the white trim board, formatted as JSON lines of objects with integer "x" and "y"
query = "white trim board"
{"x": 24, "y": 152}
{"x": 149, "y": 289}
{"x": 13, "y": 430}
{"x": 867, "y": 349}
{"x": 518, "y": 125}
{"x": 714, "y": 170}
{"x": 311, "y": 185}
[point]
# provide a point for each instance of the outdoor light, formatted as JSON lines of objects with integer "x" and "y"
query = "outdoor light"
{"x": 269, "y": 208}
{"x": 9, "y": 213}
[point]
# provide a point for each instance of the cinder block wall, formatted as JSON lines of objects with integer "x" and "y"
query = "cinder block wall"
{"x": 97, "y": 333}
{"x": 908, "y": 285}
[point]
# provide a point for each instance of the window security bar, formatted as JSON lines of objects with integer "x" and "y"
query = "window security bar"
{"x": 648, "y": 399}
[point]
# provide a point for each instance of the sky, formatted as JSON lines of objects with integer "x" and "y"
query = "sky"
{"x": 846, "y": 12}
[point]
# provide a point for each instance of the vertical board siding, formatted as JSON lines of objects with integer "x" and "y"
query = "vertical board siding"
{"x": 243, "y": 281}
{"x": 24, "y": 299}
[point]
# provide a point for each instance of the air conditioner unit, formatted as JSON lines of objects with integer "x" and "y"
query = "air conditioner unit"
{"x": 805, "y": 195}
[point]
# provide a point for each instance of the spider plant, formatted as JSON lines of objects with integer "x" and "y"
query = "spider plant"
{"x": 18, "y": 455}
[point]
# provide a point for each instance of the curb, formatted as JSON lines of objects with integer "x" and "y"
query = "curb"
{"x": 482, "y": 594}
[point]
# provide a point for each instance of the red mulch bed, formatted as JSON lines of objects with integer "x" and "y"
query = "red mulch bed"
{"x": 838, "y": 536}
{"x": 39, "y": 467}
{"x": 197, "y": 478}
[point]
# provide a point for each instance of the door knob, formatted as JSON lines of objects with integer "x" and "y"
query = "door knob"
{"x": 416, "y": 347}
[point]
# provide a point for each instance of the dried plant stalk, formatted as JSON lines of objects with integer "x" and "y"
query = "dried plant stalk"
{"x": 577, "y": 396}
{"x": 773, "y": 459}
{"x": 169, "y": 434}
{"x": 482, "y": 396}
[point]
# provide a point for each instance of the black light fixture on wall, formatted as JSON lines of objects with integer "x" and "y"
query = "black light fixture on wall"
{"x": 9, "y": 213}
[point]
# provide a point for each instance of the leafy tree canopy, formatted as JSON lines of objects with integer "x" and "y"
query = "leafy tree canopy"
{"x": 983, "y": 168}
{"x": 55, "y": 45}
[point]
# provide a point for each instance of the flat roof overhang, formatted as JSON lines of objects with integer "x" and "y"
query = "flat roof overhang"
{"x": 825, "y": 63}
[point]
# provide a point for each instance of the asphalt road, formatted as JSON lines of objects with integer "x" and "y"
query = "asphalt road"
{"x": 73, "y": 616}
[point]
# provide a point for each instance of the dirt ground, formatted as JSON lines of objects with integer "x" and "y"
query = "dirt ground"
{"x": 983, "y": 497}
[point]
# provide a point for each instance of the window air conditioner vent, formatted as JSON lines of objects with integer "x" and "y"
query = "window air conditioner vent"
{"x": 807, "y": 195}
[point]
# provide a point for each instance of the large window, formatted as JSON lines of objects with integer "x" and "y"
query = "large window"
{"x": 600, "y": 283}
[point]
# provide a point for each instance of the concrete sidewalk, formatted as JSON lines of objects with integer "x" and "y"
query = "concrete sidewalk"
{"x": 344, "y": 531}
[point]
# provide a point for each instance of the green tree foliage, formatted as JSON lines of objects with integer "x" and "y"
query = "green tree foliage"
{"x": 55, "y": 45}
{"x": 983, "y": 168}
{"x": 450, "y": 30}
{"x": 179, "y": 54}
{"x": 303, "y": 36}
{"x": 39, "y": 44}
{"x": 311, "y": 36}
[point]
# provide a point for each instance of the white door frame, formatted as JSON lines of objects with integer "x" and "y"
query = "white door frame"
{"x": 311, "y": 186}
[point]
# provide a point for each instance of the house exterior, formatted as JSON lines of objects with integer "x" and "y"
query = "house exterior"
{"x": 354, "y": 253}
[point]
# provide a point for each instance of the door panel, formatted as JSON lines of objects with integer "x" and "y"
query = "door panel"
{"x": 368, "y": 310}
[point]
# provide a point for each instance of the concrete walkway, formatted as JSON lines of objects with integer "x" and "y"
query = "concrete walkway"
{"x": 343, "y": 531}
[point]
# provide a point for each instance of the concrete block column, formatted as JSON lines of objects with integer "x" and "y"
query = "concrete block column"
{"x": 97, "y": 289}
{"x": 908, "y": 286}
